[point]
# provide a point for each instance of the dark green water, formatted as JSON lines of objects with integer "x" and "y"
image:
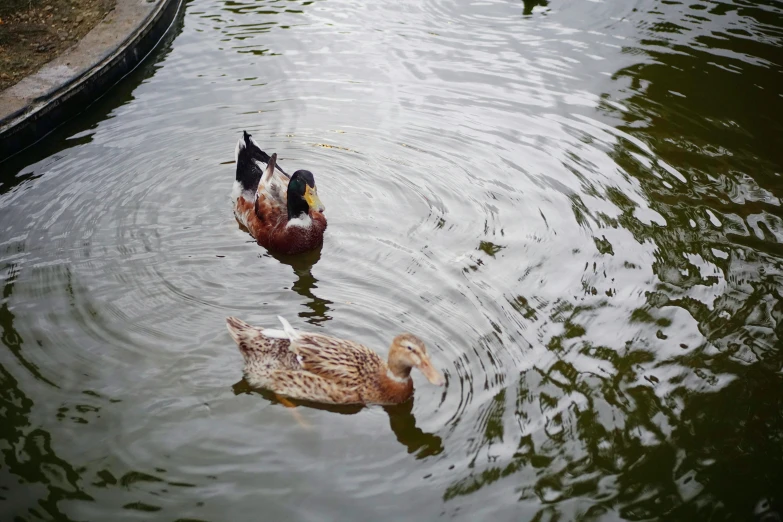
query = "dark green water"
{"x": 576, "y": 204}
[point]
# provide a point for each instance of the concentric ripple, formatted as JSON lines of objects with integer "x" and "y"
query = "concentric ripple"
{"x": 575, "y": 204}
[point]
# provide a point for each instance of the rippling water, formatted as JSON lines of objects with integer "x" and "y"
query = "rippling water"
{"x": 577, "y": 205}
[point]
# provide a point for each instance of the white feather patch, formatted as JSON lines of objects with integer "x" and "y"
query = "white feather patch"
{"x": 303, "y": 221}
{"x": 236, "y": 192}
{"x": 393, "y": 377}
{"x": 274, "y": 334}
{"x": 293, "y": 335}
{"x": 239, "y": 147}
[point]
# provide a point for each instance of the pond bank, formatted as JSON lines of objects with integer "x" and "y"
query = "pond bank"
{"x": 62, "y": 88}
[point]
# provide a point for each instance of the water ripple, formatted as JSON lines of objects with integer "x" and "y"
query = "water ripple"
{"x": 575, "y": 204}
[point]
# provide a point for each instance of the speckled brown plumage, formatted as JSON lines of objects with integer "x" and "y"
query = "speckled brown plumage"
{"x": 320, "y": 368}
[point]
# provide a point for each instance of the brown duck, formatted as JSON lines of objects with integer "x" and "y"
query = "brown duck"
{"x": 319, "y": 368}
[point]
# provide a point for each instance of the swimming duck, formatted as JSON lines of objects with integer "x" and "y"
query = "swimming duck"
{"x": 281, "y": 212}
{"x": 319, "y": 368}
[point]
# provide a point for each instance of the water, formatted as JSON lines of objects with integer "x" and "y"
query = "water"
{"x": 577, "y": 205}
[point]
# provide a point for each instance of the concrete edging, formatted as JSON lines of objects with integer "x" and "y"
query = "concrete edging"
{"x": 69, "y": 83}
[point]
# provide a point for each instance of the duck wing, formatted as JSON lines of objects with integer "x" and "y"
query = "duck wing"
{"x": 273, "y": 186}
{"x": 304, "y": 386}
{"x": 348, "y": 362}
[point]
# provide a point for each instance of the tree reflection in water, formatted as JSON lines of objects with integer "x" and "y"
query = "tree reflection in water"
{"x": 697, "y": 435}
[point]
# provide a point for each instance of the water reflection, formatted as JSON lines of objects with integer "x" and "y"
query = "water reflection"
{"x": 27, "y": 455}
{"x": 529, "y": 5}
{"x": 581, "y": 215}
{"x": 403, "y": 424}
{"x": 650, "y": 446}
{"x": 305, "y": 283}
{"x": 11, "y": 338}
{"x": 233, "y": 23}
{"x": 401, "y": 420}
{"x": 302, "y": 265}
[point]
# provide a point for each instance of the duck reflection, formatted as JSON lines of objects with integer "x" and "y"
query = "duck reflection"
{"x": 401, "y": 420}
{"x": 403, "y": 424}
{"x": 529, "y": 5}
{"x": 304, "y": 284}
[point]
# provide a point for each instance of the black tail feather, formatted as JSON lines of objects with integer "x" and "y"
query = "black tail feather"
{"x": 253, "y": 149}
{"x": 248, "y": 171}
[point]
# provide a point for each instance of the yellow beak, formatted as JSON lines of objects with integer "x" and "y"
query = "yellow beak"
{"x": 311, "y": 196}
{"x": 431, "y": 373}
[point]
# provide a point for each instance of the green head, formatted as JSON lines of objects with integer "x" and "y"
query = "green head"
{"x": 303, "y": 194}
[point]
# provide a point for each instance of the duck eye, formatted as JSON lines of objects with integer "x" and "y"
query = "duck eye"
{"x": 410, "y": 348}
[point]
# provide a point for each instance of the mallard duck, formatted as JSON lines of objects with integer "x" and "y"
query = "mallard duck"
{"x": 281, "y": 212}
{"x": 319, "y": 368}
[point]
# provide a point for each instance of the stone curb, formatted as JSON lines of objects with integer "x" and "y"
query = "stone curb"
{"x": 64, "y": 87}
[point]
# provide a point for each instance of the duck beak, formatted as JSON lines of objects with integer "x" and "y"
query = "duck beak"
{"x": 431, "y": 373}
{"x": 311, "y": 196}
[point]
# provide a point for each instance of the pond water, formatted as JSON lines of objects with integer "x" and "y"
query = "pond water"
{"x": 576, "y": 204}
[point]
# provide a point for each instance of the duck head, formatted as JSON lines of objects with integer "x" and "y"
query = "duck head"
{"x": 303, "y": 195}
{"x": 408, "y": 351}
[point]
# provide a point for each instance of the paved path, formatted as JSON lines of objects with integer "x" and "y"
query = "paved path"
{"x": 41, "y": 102}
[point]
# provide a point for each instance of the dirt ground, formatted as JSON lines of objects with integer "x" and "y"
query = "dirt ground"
{"x": 32, "y": 32}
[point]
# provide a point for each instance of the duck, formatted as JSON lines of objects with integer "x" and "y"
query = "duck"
{"x": 283, "y": 213}
{"x": 318, "y": 368}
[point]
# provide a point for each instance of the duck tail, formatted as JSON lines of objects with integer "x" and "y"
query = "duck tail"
{"x": 238, "y": 328}
{"x": 244, "y": 335}
{"x": 253, "y": 340}
{"x": 247, "y": 155}
{"x": 251, "y": 162}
